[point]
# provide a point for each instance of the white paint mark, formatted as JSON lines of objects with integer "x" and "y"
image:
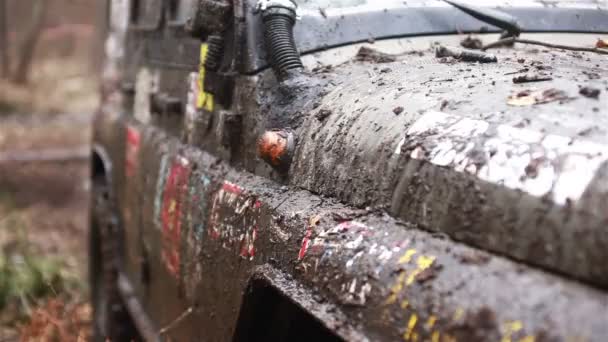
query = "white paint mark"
{"x": 516, "y": 158}
{"x": 399, "y": 146}
{"x": 355, "y": 243}
{"x": 146, "y": 83}
{"x": 352, "y": 260}
{"x": 191, "y": 111}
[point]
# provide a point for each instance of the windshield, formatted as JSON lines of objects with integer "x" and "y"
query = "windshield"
{"x": 324, "y": 4}
{"x": 329, "y": 3}
{"x": 324, "y": 24}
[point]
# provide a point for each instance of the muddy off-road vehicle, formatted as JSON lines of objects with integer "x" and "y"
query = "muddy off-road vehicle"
{"x": 359, "y": 170}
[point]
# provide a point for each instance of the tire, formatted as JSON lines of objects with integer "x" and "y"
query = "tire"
{"x": 111, "y": 321}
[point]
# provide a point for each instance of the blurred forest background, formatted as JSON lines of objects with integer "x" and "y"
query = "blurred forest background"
{"x": 51, "y": 52}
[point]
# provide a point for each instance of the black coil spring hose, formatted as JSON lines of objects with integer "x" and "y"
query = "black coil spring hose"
{"x": 215, "y": 50}
{"x": 278, "y": 33}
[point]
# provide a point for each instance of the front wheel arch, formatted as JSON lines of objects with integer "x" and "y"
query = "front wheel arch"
{"x": 110, "y": 317}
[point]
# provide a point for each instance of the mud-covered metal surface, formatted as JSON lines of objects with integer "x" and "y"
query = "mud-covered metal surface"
{"x": 427, "y": 199}
{"x": 461, "y": 158}
{"x": 369, "y": 276}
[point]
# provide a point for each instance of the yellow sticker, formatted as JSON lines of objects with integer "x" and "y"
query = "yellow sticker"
{"x": 423, "y": 263}
{"x": 411, "y": 325}
{"x": 458, "y": 314}
{"x": 407, "y": 257}
{"x": 511, "y": 328}
{"x": 397, "y": 287}
{"x": 204, "y": 99}
{"x": 528, "y": 338}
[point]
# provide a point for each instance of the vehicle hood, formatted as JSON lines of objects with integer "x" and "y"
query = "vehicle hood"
{"x": 461, "y": 149}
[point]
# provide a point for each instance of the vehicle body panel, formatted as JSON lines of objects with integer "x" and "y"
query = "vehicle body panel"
{"x": 369, "y": 230}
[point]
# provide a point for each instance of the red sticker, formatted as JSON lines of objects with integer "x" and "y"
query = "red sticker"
{"x": 305, "y": 242}
{"x": 132, "y": 151}
{"x": 234, "y": 219}
{"x": 232, "y": 188}
{"x": 175, "y": 191}
{"x": 248, "y": 243}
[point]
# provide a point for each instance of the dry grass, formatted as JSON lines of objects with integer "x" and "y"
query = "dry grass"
{"x": 58, "y": 321}
{"x": 42, "y": 286}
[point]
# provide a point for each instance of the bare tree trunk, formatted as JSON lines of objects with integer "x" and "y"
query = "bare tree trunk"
{"x": 4, "y": 56}
{"x": 28, "y": 47}
{"x": 101, "y": 31}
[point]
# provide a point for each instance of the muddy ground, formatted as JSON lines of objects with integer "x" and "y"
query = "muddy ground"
{"x": 44, "y": 210}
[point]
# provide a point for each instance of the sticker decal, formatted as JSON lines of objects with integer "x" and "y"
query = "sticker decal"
{"x": 325, "y": 240}
{"x": 175, "y": 191}
{"x": 132, "y": 151}
{"x": 191, "y": 105}
{"x": 204, "y": 99}
{"x": 160, "y": 186}
{"x": 195, "y": 225}
{"x": 234, "y": 219}
{"x": 199, "y": 189}
{"x": 555, "y": 167}
{"x": 310, "y": 227}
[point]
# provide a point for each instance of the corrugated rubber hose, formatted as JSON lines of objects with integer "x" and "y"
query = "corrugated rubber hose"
{"x": 278, "y": 33}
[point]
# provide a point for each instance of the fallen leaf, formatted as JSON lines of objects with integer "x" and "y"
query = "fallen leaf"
{"x": 521, "y": 101}
{"x": 532, "y": 78}
{"x": 472, "y": 43}
{"x": 366, "y": 54}
{"x": 323, "y": 114}
{"x": 550, "y": 95}
{"x": 314, "y": 220}
{"x": 523, "y": 98}
{"x": 590, "y": 92}
{"x": 530, "y": 97}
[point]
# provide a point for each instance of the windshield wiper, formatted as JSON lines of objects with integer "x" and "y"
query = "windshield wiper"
{"x": 493, "y": 17}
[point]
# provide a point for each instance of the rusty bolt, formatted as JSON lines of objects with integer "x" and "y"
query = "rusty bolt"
{"x": 276, "y": 148}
